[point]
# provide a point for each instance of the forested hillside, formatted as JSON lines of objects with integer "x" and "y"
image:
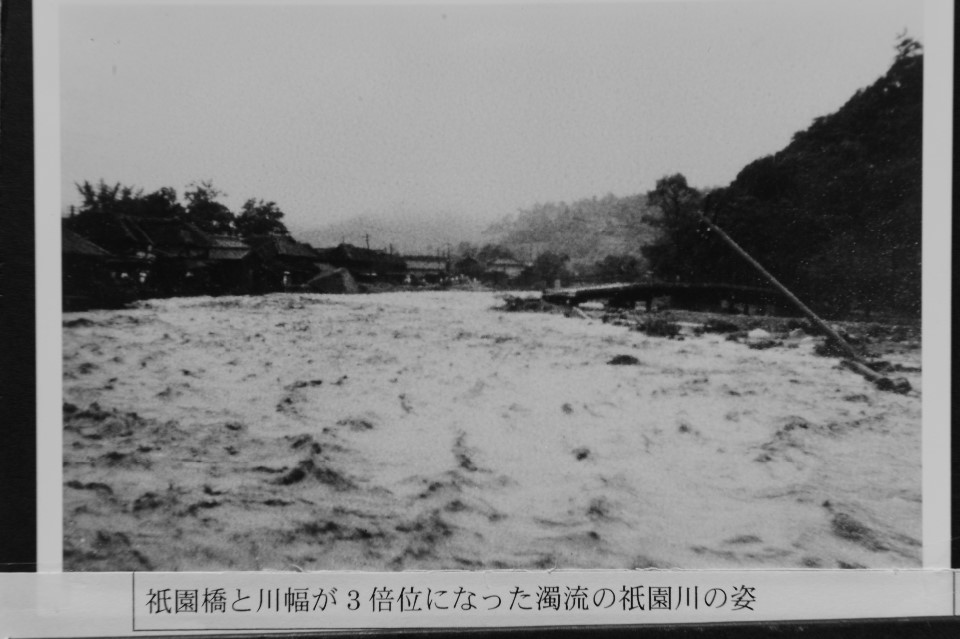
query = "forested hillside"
{"x": 836, "y": 215}
{"x": 586, "y": 231}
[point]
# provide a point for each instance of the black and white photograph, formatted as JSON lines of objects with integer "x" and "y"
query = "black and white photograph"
{"x": 398, "y": 287}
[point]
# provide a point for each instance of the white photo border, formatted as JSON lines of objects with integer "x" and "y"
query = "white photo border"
{"x": 937, "y": 218}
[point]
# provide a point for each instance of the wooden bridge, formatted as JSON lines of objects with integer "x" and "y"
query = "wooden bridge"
{"x": 682, "y": 295}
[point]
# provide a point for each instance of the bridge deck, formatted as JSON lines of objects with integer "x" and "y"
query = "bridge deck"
{"x": 649, "y": 290}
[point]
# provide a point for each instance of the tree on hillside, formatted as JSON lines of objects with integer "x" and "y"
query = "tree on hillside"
{"x": 491, "y": 252}
{"x": 587, "y": 229}
{"x": 907, "y": 48}
{"x": 466, "y": 249}
{"x": 835, "y": 215}
{"x": 676, "y": 253}
{"x": 674, "y": 197}
{"x": 260, "y": 218}
{"x": 547, "y": 268}
{"x": 619, "y": 268}
{"x": 206, "y": 212}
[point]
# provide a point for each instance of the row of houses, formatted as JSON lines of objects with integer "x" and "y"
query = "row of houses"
{"x": 126, "y": 258}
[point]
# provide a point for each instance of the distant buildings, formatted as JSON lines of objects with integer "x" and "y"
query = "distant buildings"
{"x": 90, "y": 272}
{"x": 506, "y": 268}
{"x": 496, "y": 272}
{"x": 283, "y": 263}
{"x": 427, "y": 268}
{"x": 365, "y": 265}
{"x": 469, "y": 267}
{"x": 119, "y": 258}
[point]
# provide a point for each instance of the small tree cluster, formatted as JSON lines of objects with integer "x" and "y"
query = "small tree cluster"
{"x": 202, "y": 207}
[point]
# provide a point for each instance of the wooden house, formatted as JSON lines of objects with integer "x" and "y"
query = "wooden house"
{"x": 232, "y": 264}
{"x": 427, "y": 268}
{"x": 365, "y": 265}
{"x": 505, "y": 267}
{"x": 180, "y": 252}
{"x": 469, "y": 267}
{"x": 92, "y": 276}
{"x": 283, "y": 262}
{"x": 171, "y": 256}
{"x": 501, "y": 271}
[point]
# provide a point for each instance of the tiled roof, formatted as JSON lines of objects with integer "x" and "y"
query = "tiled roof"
{"x": 349, "y": 254}
{"x": 229, "y": 253}
{"x": 74, "y": 244}
{"x": 425, "y": 258}
{"x": 227, "y": 242}
{"x": 283, "y": 246}
{"x": 163, "y": 232}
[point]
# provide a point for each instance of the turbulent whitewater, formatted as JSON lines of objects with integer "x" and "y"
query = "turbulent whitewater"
{"x": 432, "y": 431}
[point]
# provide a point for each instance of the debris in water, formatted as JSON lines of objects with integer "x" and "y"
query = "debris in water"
{"x": 714, "y": 325}
{"x": 659, "y": 328}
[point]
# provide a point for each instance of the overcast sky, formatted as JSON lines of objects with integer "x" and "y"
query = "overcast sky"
{"x": 337, "y": 111}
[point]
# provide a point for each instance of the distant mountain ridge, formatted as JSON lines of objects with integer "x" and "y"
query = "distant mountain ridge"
{"x": 586, "y": 230}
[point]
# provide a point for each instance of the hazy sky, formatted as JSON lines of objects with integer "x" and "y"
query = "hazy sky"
{"x": 336, "y": 111}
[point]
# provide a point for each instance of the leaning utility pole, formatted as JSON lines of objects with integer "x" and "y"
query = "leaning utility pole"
{"x": 849, "y": 350}
{"x": 855, "y": 362}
